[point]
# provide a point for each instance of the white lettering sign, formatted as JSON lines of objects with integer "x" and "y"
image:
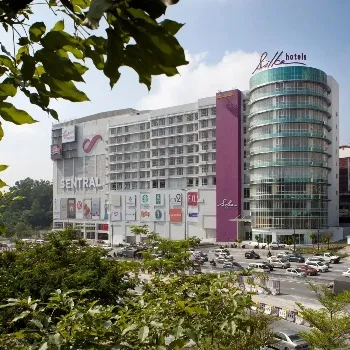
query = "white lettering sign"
{"x": 227, "y": 203}
{"x": 81, "y": 183}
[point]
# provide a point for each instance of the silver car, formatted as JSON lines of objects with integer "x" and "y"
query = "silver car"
{"x": 284, "y": 264}
{"x": 289, "y": 339}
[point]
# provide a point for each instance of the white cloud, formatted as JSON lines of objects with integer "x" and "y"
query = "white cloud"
{"x": 200, "y": 79}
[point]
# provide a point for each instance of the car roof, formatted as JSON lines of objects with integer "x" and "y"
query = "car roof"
{"x": 288, "y": 331}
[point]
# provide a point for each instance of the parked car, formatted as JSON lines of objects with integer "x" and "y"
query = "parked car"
{"x": 250, "y": 244}
{"x": 290, "y": 339}
{"x": 229, "y": 257}
{"x": 346, "y": 273}
{"x": 317, "y": 258}
{"x": 268, "y": 265}
{"x": 258, "y": 267}
{"x": 251, "y": 255}
{"x": 318, "y": 265}
{"x": 275, "y": 245}
{"x": 329, "y": 257}
{"x": 231, "y": 265}
{"x": 284, "y": 255}
{"x": 296, "y": 258}
{"x": 220, "y": 259}
{"x": 284, "y": 264}
{"x": 295, "y": 272}
{"x": 218, "y": 252}
{"x": 310, "y": 271}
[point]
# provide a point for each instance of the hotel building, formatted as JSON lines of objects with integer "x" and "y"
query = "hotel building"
{"x": 239, "y": 164}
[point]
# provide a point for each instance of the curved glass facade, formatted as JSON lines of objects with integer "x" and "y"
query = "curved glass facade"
{"x": 289, "y": 140}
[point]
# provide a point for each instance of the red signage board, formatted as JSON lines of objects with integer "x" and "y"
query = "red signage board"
{"x": 192, "y": 199}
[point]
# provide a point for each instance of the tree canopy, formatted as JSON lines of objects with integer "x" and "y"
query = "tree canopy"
{"x": 133, "y": 37}
{"x": 25, "y": 207}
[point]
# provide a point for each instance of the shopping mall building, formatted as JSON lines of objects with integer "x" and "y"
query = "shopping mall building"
{"x": 239, "y": 164}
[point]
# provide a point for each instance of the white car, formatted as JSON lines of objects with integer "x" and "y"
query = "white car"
{"x": 259, "y": 267}
{"x": 315, "y": 259}
{"x": 318, "y": 265}
{"x": 284, "y": 255}
{"x": 275, "y": 245}
{"x": 346, "y": 273}
{"x": 279, "y": 263}
{"x": 295, "y": 272}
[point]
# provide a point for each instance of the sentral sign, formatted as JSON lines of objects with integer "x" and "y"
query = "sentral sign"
{"x": 80, "y": 183}
{"x": 280, "y": 58}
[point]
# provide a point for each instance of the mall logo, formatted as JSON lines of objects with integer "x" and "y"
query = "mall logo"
{"x": 279, "y": 59}
{"x": 88, "y": 144}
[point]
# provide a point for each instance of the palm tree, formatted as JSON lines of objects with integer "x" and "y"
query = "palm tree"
{"x": 313, "y": 237}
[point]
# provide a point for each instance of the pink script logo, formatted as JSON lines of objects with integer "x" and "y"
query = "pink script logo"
{"x": 88, "y": 144}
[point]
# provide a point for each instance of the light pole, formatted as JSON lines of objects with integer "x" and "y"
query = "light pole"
{"x": 318, "y": 239}
{"x": 185, "y": 190}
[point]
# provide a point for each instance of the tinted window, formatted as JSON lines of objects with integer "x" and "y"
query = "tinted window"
{"x": 294, "y": 337}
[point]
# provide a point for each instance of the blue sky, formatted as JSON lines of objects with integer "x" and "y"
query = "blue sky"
{"x": 223, "y": 40}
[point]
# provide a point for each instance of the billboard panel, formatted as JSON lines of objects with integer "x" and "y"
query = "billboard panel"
{"x": 159, "y": 200}
{"x": 159, "y": 215}
{"x": 71, "y": 208}
{"x": 104, "y": 211}
{"x": 145, "y": 215}
{"x": 175, "y": 215}
{"x": 63, "y": 208}
{"x": 68, "y": 134}
{"x": 176, "y": 199}
{"x": 130, "y": 214}
{"x": 145, "y": 199}
{"x": 116, "y": 200}
{"x": 56, "y": 152}
{"x": 130, "y": 200}
{"x": 56, "y": 208}
{"x": 87, "y": 209}
{"x": 95, "y": 209}
{"x": 79, "y": 209}
{"x": 116, "y": 213}
{"x": 192, "y": 198}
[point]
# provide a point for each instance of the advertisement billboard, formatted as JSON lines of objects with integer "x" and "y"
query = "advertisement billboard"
{"x": 175, "y": 215}
{"x": 130, "y": 200}
{"x": 159, "y": 200}
{"x": 71, "y": 208}
{"x": 56, "y": 152}
{"x": 192, "y": 198}
{"x": 145, "y": 215}
{"x": 63, "y": 208}
{"x": 68, "y": 134}
{"x": 56, "y": 208}
{"x": 176, "y": 199}
{"x": 116, "y": 214}
{"x": 79, "y": 212}
{"x": 116, "y": 200}
{"x": 145, "y": 199}
{"x": 192, "y": 215}
{"x": 158, "y": 215}
{"x": 104, "y": 211}
{"x": 130, "y": 214}
{"x": 95, "y": 209}
{"x": 87, "y": 209}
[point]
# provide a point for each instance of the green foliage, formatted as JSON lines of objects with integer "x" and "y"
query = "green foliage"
{"x": 327, "y": 237}
{"x": 207, "y": 310}
{"x": 331, "y": 323}
{"x": 313, "y": 237}
{"x": 28, "y": 203}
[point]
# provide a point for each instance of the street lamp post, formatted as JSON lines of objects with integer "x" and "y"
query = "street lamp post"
{"x": 318, "y": 239}
{"x": 185, "y": 190}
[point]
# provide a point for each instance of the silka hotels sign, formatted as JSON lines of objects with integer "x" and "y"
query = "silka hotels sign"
{"x": 280, "y": 58}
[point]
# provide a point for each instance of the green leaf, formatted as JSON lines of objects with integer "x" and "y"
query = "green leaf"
{"x": 23, "y": 41}
{"x": 51, "y": 61}
{"x": 3, "y": 167}
{"x": 20, "y": 316}
{"x": 115, "y": 55}
{"x": 57, "y": 39}
{"x": 143, "y": 333}
{"x": 81, "y": 69}
{"x": 64, "y": 89}
{"x": 17, "y": 116}
{"x": 7, "y": 90}
{"x": 2, "y": 184}
{"x": 37, "y": 323}
{"x": 177, "y": 344}
{"x": 7, "y": 62}
{"x": 170, "y": 26}
{"x": 130, "y": 328}
{"x": 44, "y": 346}
{"x": 53, "y": 113}
{"x": 28, "y": 67}
{"x": 154, "y": 8}
{"x": 36, "y": 31}
{"x": 1, "y": 132}
{"x": 58, "y": 26}
{"x": 73, "y": 50}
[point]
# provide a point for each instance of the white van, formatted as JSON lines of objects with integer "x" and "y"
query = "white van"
{"x": 258, "y": 267}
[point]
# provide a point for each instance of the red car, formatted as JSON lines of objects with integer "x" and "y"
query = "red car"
{"x": 308, "y": 270}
